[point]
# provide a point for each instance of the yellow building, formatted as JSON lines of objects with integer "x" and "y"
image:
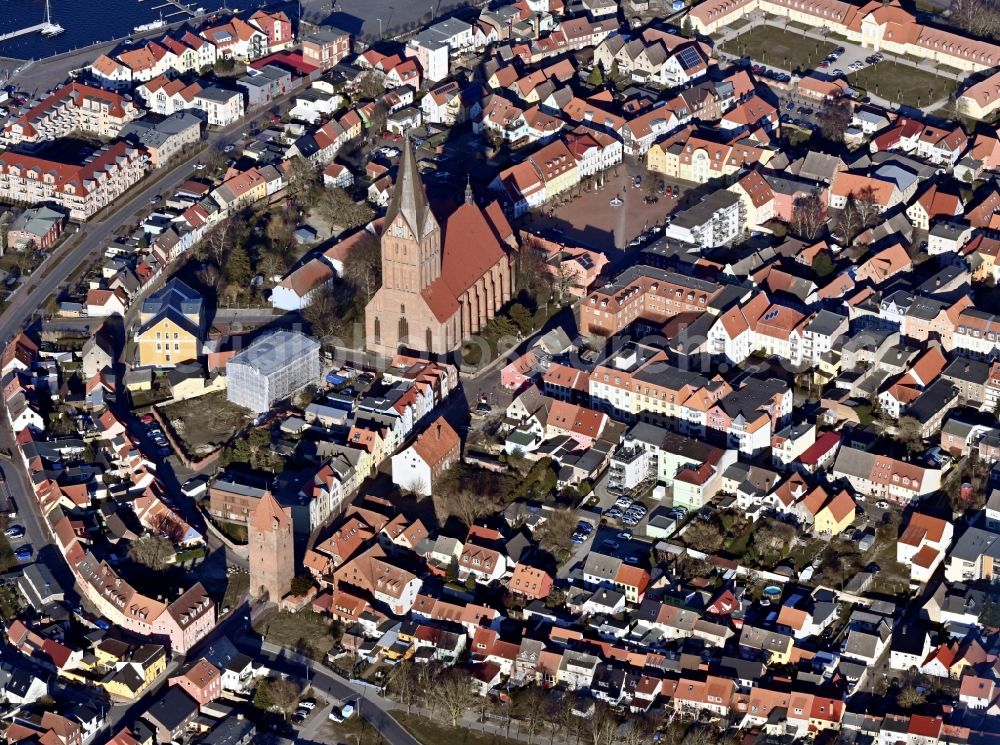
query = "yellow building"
{"x": 134, "y": 675}
{"x": 171, "y": 326}
{"x": 189, "y": 380}
{"x": 836, "y": 515}
{"x": 124, "y": 670}
{"x": 828, "y": 368}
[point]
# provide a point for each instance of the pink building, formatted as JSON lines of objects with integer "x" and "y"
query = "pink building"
{"x": 519, "y": 372}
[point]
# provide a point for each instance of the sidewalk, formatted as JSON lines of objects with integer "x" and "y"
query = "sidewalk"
{"x": 370, "y": 696}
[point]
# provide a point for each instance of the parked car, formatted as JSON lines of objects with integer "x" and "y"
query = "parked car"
{"x": 23, "y": 553}
{"x": 14, "y": 531}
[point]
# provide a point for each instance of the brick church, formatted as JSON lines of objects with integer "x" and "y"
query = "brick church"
{"x": 442, "y": 280}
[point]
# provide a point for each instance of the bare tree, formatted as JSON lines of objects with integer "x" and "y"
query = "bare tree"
{"x": 910, "y": 698}
{"x": 363, "y": 266}
{"x": 219, "y": 241}
{"x": 337, "y": 208}
{"x": 700, "y": 735}
{"x": 603, "y": 725}
{"x": 271, "y": 264}
{"x": 808, "y": 217}
{"x": 209, "y": 275}
{"x": 554, "y": 534}
{"x": 531, "y": 709}
{"x": 908, "y": 432}
{"x": 636, "y": 731}
{"x": 453, "y": 690}
{"x": 303, "y": 180}
{"x": 152, "y": 551}
{"x": 403, "y": 684}
{"x": 978, "y": 17}
{"x": 867, "y": 206}
{"x": 371, "y": 84}
{"x": 834, "y": 118}
{"x": 858, "y": 214}
{"x": 704, "y": 535}
{"x": 279, "y": 230}
{"x": 277, "y": 694}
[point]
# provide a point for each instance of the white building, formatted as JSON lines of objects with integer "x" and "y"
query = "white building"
{"x": 222, "y": 107}
{"x": 272, "y": 368}
{"x": 714, "y": 221}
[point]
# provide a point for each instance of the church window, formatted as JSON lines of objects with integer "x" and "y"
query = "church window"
{"x": 404, "y": 329}
{"x": 429, "y": 340}
{"x": 378, "y": 331}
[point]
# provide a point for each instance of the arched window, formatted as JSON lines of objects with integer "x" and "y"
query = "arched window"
{"x": 378, "y": 330}
{"x": 404, "y": 330}
{"x": 429, "y": 340}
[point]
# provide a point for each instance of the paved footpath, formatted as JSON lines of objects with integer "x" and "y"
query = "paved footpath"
{"x": 374, "y": 707}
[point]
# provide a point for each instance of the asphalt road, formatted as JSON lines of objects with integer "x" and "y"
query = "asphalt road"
{"x": 361, "y": 17}
{"x": 369, "y": 705}
{"x": 70, "y": 260}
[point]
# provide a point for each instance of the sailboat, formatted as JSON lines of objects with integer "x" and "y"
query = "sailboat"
{"x": 50, "y": 29}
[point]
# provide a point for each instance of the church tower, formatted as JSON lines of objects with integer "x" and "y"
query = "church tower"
{"x": 411, "y": 241}
{"x": 272, "y": 550}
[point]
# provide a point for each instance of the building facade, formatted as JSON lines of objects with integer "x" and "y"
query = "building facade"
{"x": 441, "y": 283}
{"x": 271, "y": 550}
{"x": 83, "y": 189}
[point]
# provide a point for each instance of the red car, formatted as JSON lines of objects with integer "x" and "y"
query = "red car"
{"x": 397, "y": 137}
{"x": 147, "y": 419}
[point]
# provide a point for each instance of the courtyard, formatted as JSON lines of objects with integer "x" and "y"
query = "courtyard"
{"x": 779, "y": 47}
{"x": 902, "y": 84}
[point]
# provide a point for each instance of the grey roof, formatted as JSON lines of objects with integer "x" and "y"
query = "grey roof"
{"x": 232, "y": 730}
{"x": 323, "y": 35}
{"x": 968, "y": 370}
{"x": 948, "y": 229}
{"x": 901, "y": 177}
{"x": 276, "y": 350}
{"x": 602, "y": 566}
{"x": 825, "y": 323}
{"x": 819, "y": 166}
{"x": 939, "y": 395}
{"x": 703, "y": 211}
{"x": 173, "y": 709}
{"x": 975, "y": 543}
{"x": 175, "y": 294}
{"x": 37, "y": 220}
{"x": 220, "y": 95}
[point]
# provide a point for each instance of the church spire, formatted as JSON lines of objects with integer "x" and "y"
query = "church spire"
{"x": 408, "y": 196}
{"x": 469, "y": 197}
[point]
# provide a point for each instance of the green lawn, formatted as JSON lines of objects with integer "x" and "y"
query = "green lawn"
{"x": 779, "y": 47}
{"x": 902, "y": 84}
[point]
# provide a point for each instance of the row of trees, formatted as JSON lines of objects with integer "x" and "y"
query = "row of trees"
{"x": 449, "y": 696}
